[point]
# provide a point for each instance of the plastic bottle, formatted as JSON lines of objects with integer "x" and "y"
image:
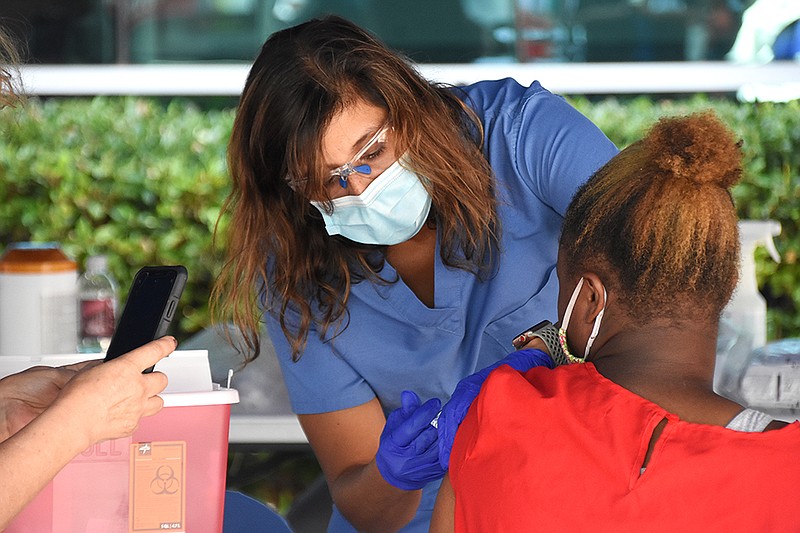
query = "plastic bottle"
{"x": 97, "y": 292}
{"x": 743, "y": 326}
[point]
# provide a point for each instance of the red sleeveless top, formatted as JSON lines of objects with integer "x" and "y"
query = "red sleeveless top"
{"x": 561, "y": 450}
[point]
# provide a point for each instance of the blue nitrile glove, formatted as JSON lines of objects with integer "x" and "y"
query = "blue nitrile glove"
{"x": 408, "y": 456}
{"x": 467, "y": 390}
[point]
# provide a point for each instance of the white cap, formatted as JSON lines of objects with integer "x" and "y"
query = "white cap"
{"x": 96, "y": 262}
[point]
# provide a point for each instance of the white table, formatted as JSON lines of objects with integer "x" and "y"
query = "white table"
{"x": 265, "y": 429}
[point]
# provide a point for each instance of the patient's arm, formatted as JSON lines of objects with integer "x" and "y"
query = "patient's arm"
{"x": 444, "y": 510}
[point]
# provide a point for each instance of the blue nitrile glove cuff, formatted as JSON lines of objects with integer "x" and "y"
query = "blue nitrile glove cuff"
{"x": 408, "y": 453}
{"x": 467, "y": 390}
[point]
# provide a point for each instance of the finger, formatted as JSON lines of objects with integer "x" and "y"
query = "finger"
{"x": 425, "y": 467}
{"x": 425, "y": 439}
{"x": 151, "y": 353}
{"x": 416, "y": 423}
{"x": 409, "y": 401}
{"x": 426, "y": 412}
{"x": 153, "y": 405}
{"x": 429, "y": 458}
{"x": 77, "y": 367}
{"x": 60, "y": 376}
{"x": 155, "y": 382}
{"x": 394, "y": 419}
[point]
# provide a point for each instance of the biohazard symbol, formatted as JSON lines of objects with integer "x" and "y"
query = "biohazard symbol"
{"x": 165, "y": 481}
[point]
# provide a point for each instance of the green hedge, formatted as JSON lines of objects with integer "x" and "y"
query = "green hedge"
{"x": 142, "y": 181}
{"x": 132, "y": 178}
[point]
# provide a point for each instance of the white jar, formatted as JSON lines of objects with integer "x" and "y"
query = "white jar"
{"x": 38, "y": 300}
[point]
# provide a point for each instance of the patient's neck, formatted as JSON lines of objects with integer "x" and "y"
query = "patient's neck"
{"x": 672, "y": 366}
{"x": 683, "y": 351}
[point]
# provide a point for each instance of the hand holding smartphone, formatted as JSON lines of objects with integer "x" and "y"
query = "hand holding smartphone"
{"x": 149, "y": 309}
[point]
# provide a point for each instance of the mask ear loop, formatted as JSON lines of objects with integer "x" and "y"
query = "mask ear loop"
{"x": 596, "y": 329}
{"x": 562, "y": 331}
{"x": 571, "y": 304}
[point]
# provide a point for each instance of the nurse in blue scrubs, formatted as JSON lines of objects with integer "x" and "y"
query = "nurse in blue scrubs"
{"x": 395, "y": 235}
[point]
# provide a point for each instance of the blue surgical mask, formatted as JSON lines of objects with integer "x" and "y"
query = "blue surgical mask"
{"x": 391, "y": 210}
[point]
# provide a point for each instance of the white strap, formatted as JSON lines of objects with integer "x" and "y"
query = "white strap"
{"x": 750, "y": 420}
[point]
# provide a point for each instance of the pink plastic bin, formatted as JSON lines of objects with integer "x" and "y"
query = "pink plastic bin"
{"x": 179, "y": 456}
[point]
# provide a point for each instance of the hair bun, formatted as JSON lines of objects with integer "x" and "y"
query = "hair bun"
{"x": 698, "y": 147}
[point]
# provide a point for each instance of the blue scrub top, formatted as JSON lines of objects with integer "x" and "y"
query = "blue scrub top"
{"x": 541, "y": 149}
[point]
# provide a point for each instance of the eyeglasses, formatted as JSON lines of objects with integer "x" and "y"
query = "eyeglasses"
{"x": 371, "y": 160}
{"x": 376, "y": 142}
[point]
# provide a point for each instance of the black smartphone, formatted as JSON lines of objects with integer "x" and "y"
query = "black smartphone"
{"x": 149, "y": 309}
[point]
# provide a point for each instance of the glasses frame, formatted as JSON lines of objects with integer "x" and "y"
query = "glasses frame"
{"x": 342, "y": 173}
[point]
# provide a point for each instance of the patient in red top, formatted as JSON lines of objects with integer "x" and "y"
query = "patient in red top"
{"x": 632, "y": 437}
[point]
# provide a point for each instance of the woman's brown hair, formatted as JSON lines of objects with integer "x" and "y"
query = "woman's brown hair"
{"x": 658, "y": 221}
{"x": 279, "y": 254}
{"x": 10, "y": 86}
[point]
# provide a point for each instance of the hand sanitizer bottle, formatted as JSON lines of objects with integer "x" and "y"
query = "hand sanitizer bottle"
{"x": 743, "y": 326}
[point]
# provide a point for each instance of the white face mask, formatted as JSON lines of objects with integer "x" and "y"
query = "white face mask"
{"x": 391, "y": 210}
{"x": 562, "y": 331}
